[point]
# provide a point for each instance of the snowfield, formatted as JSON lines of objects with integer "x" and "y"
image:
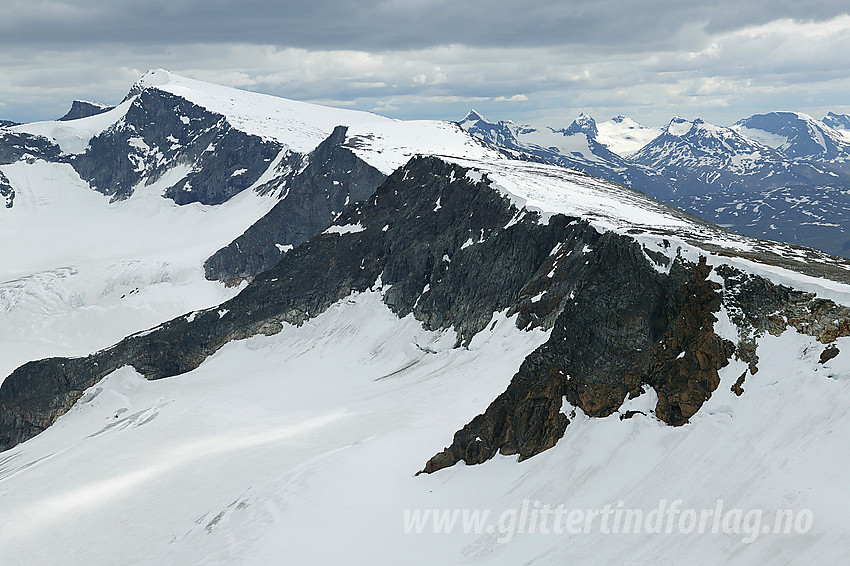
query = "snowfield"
{"x": 624, "y": 136}
{"x": 301, "y": 448}
{"x": 73, "y": 136}
{"x": 78, "y": 273}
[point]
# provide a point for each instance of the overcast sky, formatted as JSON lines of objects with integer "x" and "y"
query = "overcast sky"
{"x": 540, "y": 62}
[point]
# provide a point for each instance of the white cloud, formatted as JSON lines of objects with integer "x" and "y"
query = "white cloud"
{"x": 514, "y": 98}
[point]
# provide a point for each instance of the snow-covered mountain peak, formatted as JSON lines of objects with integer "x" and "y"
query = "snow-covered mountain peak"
{"x": 299, "y": 125}
{"x": 384, "y": 142}
{"x": 795, "y": 134}
{"x": 474, "y": 116}
{"x": 155, "y": 77}
{"x": 682, "y": 127}
{"x": 837, "y": 121}
{"x": 584, "y": 124}
{"x": 678, "y": 126}
{"x": 696, "y": 153}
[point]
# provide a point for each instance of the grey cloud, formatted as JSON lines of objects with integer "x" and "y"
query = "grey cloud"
{"x": 606, "y": 25}
{"x": 435, "y": 59}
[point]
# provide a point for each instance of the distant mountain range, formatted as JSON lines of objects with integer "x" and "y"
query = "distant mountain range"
{"x": 781, "y": 176}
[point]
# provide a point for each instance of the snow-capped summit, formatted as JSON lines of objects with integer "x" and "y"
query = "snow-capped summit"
{"x": 795, "y": 134}
{"x": 251, "y": 175}
{"x": 696, "y": 145}
{"x": 701, "y": 158}
{"x": 473, "y": 116}
{"x": 302, "y": 126}
{"x": 741, "y": 177}
{"x": 678, "y": 126}
{"x": 584, "y": 124}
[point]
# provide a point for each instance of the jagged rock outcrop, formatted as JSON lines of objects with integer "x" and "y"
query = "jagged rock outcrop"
{"x": 7, "y": 192}
{"x": 314, "y": 195}
{"x": 757, "y": 305}
{"x": 84, "y": 109}
{"x": 637, "y": 328}
{"x": 627, "y": 326}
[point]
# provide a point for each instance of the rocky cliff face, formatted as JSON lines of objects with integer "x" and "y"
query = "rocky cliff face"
{"x": 161, "y": 130}
{"x": 625, "y": 327}
{"x": 443, "y": 244}
{"x": 84, "y": 109}
{"x": 315, "y": 190}
{"x": 15, "y": 146}
{"x": 6, "y": 191}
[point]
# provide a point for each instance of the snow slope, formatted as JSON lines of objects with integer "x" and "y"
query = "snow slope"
{"x": 78, "y": 273}
{"x": 300, "y": 448}
{"x": 382, "y": 142}
{"x": 73, "y": 136}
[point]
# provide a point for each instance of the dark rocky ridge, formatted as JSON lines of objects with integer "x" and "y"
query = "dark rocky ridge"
{"x": 404, "y": 241}
{"x": 82, "y": 109}
{"x": 314, "y": 196}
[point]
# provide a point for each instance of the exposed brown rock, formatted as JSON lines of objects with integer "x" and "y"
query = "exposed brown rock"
{"x": 737, "y": 388}
{"x": 830, "y": 352}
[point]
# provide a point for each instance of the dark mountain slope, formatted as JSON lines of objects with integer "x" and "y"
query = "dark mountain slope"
{"x": 314, "y": 196}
